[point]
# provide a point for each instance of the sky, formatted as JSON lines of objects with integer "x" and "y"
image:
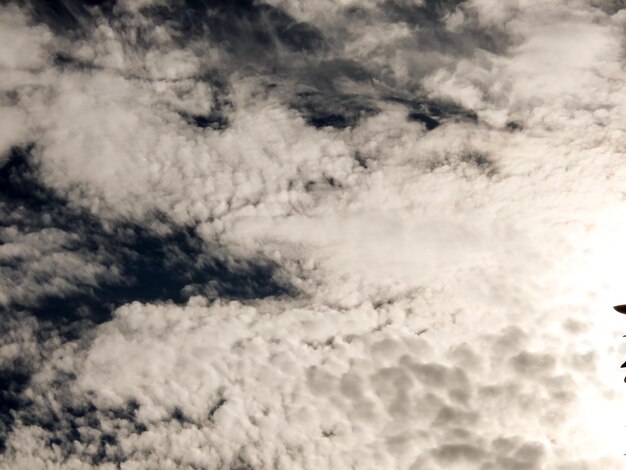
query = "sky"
{"x": 331, "y": 234}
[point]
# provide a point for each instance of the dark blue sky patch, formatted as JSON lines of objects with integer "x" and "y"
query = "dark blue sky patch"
{"x": 75, "y": 427}
{"x": 610, "y": 7}
{"x": 333, "y": 110}
{"x": 138, "y": 264}
{"x": 429, "y": 122}
{"x": 15, "y": 369}
{"x": 428, "y": 12}
{"x": 218, "y": 118}
{"x": 70, "y": 17}
{"x": 251, "y": 31}
{"x": 324, "y": 74}
{"x": 215, "y": 121}
{"x": 433, "y": 112}
{"x": 255, "y": 34}
{"x": 13, "y": 380}
{"x": 66, "y": 62}
{"x": 514, "y": 126}
{"x": 361, "y": 160}
{"x": 246, "y": 24}
{"x": 428, "y": 20}
{"x": 264, "y": 40}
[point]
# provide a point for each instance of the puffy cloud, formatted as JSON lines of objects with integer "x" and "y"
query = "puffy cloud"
{"x": 276, "y": 385}
{"x": 323, "y": 235}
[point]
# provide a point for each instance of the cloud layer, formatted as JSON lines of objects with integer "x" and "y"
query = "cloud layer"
{"x": 246, "y": 235}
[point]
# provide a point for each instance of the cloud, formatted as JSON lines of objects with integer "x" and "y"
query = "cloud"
{"x": 267, "y": 383}
{"x": 295, "y": 234}
{"x": 52, "y": 250}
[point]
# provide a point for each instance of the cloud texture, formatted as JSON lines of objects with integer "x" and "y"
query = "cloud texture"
{"x": 331, "y": 234}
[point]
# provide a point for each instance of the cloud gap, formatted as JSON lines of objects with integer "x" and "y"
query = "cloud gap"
{"x": 137, "y": 263}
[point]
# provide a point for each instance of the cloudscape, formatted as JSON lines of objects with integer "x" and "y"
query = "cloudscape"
{"x": 326, "y": 234}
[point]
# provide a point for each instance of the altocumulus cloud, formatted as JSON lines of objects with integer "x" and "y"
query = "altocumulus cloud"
{"x": 288, "y": 234}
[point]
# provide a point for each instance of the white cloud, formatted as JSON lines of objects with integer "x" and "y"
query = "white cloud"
{"x": 14, "y": 132}
{"x": 43, "y": 263}
{"x": 324, "y": 387}
{"x": 25, "y": 45}
{"x": 455, "y": 283}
